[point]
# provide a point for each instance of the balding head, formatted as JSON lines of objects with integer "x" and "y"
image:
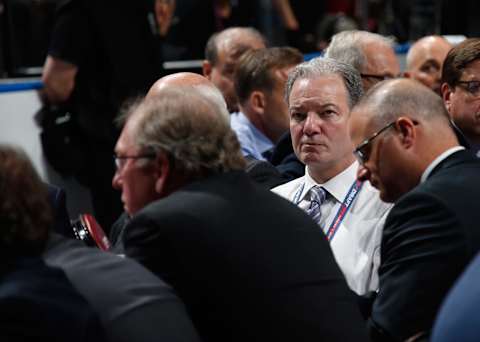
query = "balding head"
{"x": 399, "y": 127}
{"x": 370, "y": 53}
{"x": 235, "y": 39}
{"x": 425, "y": 60}
{"x": 391, "y": 99}
{"x": 221, "y": 55}
{"x": 177, "y": 79}
{"x": 189, "y": 79}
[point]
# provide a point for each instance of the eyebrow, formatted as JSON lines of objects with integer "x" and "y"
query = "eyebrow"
{"x": 322, "y": 106}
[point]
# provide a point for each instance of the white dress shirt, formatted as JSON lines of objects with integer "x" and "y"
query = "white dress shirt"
{"x": 356, "y": 244}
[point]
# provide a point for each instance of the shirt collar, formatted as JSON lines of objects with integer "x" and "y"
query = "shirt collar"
{"x": 337, "y": 186}
{"x": 438, "y": 160}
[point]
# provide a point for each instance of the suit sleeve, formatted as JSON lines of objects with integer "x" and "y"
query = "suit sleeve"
{"x": 423, "y": 251}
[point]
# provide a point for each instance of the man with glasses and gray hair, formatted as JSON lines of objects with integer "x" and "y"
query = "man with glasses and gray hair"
{"x": 248, "y": 265}
{"x": 461, "y": 89}
{"x": 320, "y": 94}
{"x": 370, "y": 53}
{"x": 408, "y": 150}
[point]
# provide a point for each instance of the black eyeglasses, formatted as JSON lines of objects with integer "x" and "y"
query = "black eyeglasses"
{"x": 473, "y": 87}
{"x": 121, "y": 160}
{"x": 378, "y": 77}
{"x": 361, "y": 153}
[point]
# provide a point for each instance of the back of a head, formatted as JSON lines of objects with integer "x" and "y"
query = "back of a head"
{"x": 179, "y": 79}
{"x": 391, "y": 99}
{"x": 192, "y": 80}
{"x": 322, "y": 66}
{"x": 255, "y": 69}
{"x": 25, "y": 213}
{"x": 186, "y": 124}
{"x": 238, "y": 38}
{"x": 348, "y": 47}
{"x": 458, "y": 59}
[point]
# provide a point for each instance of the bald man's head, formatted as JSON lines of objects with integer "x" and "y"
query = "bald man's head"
{"x": 178, "y": 79}
{"x": 189, "y": 79}
{"x": 221, "y": 55}
{"x": 425, "y": 60}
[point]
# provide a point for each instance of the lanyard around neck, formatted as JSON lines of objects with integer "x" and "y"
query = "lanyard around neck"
{"x": 342, "y": 211}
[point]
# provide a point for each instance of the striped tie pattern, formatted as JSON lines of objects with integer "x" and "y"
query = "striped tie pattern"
{"x": 317, "y": 197}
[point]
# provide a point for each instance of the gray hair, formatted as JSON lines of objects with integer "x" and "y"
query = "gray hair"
{"x": 347, "y": 47}
{"x": 188, "y": 125}
{"x": 319, "y": 67}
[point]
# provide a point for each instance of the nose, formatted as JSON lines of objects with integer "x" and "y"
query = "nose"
{"x": 117, "y": 180}
{"x": 310, "y": 126}
{"x": 363, "y": 174}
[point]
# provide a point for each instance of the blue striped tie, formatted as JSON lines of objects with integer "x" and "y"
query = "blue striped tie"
{"x": 317, "y": 197}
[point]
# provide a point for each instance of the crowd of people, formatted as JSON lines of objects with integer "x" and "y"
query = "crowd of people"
{"x": 268, "y": 199}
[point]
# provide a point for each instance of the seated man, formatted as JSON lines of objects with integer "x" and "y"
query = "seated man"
{"x": 371, "y": 54}
{"x": 259, "y": 83}
{"x": 37, "y": 301}
{"x": 248, "y": 265}
{"x": 425, "y": 60}
{"x": 461, "y": 89}
{"x": 221, "y": 56}
{"x": 407, "y": 149}
{"x": 320, "y": 94}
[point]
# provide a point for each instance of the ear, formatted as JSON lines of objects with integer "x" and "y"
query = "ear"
{"x": 207, "y": 69}
{"x": 164, "y": 13}
{"x": 446, "y": 96}
{"x": 407, "y": 130}
{"x": 162, "y": 174}
{"x": 257, "y": 101}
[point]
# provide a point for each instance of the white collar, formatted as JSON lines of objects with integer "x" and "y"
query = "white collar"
{"x": 337, "y": 186}
{"x": 438, "y": 160}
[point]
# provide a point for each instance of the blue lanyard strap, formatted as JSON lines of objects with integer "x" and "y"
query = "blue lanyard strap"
{"x": 344, "y": 206}
{"x": 342, "y": 211}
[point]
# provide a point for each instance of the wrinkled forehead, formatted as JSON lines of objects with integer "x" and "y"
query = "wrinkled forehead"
{"x": 328, "y": 87}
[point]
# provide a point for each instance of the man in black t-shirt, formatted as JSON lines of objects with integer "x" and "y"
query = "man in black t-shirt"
{"x": 101, "y": 53}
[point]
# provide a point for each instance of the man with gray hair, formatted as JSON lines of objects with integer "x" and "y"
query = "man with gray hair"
{"x": 199, "y": 223}
{"x": 370, "y": 53}
{"x": 320, "y": 95}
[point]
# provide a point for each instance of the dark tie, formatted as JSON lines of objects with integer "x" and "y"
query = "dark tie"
{"x": 317, "y": 197}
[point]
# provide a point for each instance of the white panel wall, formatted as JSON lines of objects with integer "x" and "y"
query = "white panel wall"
{"x": 17, "y": 126}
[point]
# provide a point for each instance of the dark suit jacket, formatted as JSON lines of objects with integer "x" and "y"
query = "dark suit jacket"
{"x": 38, "y": 303}
{"x": 132, "y": 303}
{"x": 458, "y": 319}
{"x": 263, "y": 173}
{"x": 57, "y": 199}
{"x": 431, "y": 233}
{"x": 249, "y": 265}
{"x": 285, "y": 160}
